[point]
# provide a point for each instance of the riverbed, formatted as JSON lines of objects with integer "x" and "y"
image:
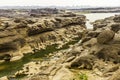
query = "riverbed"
{"x": 8, "y": 68}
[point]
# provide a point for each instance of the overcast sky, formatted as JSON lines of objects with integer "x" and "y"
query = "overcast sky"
{"x": 59, "y": 2}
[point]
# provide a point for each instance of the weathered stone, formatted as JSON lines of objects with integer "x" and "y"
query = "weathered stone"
{"x": 70, "y": 14}
{"x": 112, "y": 69}
{"x": 4, "y": 78}
{"x": 115, "y": 76}
{"x": 17, "y": 20}
{"x": 115, "y": 27}
{"x": 105, "y": 36}
{"x": 21, "y": 25}
{"x": 117, "y": 18}
{"x": 110, "y": 53}
{"x": 63, "y": 74}
{"x": 36, "y": 33}
{"x": 84, "y": 62}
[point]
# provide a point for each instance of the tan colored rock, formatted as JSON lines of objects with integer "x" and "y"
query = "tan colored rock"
{"x": 111, "y": 69}
{"x": 63, "y": 74}
{"x": 115, "y": 76}
{"x": 115, "y": 27}
{"x": 110, "y": 53}
{"x": 84, "y": 62}
{"x": 117, "y": 38}
{"x": 26, "y": 35}
{"x": 116, "y": 18}
{"x": 90, "y": 43}
{"x": 16, "y": 58}
{"x": 105, "y": 36}
{"x": 4, "y": 78}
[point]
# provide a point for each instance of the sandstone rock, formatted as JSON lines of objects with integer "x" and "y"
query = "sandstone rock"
{"x": 105, "y": 36}
{"x": 115, "y": 76}
{"x": 22, "y": 37}
{"x": 99, "y": 24}
{"x": 90, "y": 43}
{"x": 115, "y": 27}
{"x": 4, "y": 78}
{"x": 112, "y": 69}
{"x": 40, "y": 28}
{"x": 21, "y": 25}
{"x": 117, "y": 38}
{"x": 75, "y": 51}
{"x": 63, "y": 74}
{"x": 110, "y": 53}
{"x": 43, "y": 77}
{"x": 70, "y": 59}
{"x": 13, "y": 44}
{"x": 6, "y": 25}
{"x": 73, "y": 21}
{"x": 77, "y": 56}
{"x": 37, "y": 30}
{"x": 117, "y": 18}
{"x": 102, "y": 24}
{"x": 30, "y": 21}
{"x": 17, "y": 20}
{"x": 95, "y": 48}
{"x": 93, "y": 34}
{"x": 70, "y": 14}
{"x": 84, "y": 62}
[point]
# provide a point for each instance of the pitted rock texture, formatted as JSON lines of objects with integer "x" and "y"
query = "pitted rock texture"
{"x": 96, "y": 55}
{"x": 19, "y": 35}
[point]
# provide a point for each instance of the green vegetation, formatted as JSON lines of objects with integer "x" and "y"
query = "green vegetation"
{"x": 75, "y": 40}
{"x": 9, "y": 68}
{"x": 80, "y": 76}
{"x": 83, "y": 76}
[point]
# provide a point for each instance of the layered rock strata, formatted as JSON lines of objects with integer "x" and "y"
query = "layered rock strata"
{"x": 20, "y": 36}
{"x": 98, "y": 56}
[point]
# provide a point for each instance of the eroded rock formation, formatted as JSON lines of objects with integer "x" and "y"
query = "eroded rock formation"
{"x": 20, "y": 36}
{"x": 97, "y": 54}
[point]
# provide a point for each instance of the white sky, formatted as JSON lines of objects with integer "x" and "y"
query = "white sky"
{"x": 59, "y": 2}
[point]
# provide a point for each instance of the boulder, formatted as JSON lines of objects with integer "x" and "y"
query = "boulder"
{"x": 93, "y": 34}
{"x": 90, "y": 43}
{"x": 17, "y": 20}
{"x": 115, "y": 27}
{"x": 116, "y": 18}
{"x": 110, "y": 53}
{"x": 105, "y": 36}
{"x": 99, "y": 24}
{"x": 84, "y": 62}
{"x": 63, "y": 74}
